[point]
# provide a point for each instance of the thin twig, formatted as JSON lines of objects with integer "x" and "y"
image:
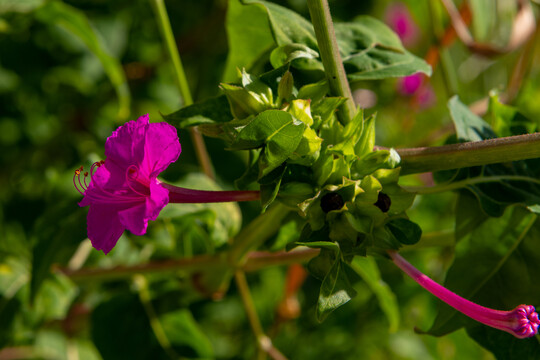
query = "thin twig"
{"x": 263, "y": 342}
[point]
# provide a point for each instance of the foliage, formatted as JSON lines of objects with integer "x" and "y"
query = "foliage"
{"x": 332, "y": 191}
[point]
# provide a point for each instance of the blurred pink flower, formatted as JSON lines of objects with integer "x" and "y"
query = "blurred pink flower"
{"x": 400, "y": 20}
{"x": 415, "y": 86}
{"x": 408, "y": 85}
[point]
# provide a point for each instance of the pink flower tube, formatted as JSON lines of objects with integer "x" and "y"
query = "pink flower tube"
{"x": 522, "y": 322}
{"x": 124, "y": 192}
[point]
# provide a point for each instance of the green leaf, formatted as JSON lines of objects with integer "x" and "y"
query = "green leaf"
{"x": 496, "y": 265}
{"x": 375, "y": 160}
{"x": 280, "y": 134}
{"x": 76, "y": 22}
{"x": 285, "y": 87}
{"x": 270, "y": 186}
{"x": 494, "y": 197}
{"x": 371, "y": 51}
{"x": 287, "y": 53}
{"x": 335, "y": 290}
{"x": 243, "y": 102}
{"x": 183, "y": 331}
{"x": 405, "y": 231}
{"x": 507, "y": 120}
{"x": 469, "y": 127}
{"x": 503, "y": 345}
{"x": 287, "y": 26}
{"x": 367, "y": 268}
{"x": 249, "y": 35}
{"x": 209, "y": 111}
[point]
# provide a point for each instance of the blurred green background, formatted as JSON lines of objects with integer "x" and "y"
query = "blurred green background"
{"x": 71, "y": 73}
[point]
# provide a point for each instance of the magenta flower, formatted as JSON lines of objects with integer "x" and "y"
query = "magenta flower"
{"x": 400, "y": 20}
{"x": 522, "y": 322}
{"x": 124, "y": 192}
{"x": 408, "y": 85}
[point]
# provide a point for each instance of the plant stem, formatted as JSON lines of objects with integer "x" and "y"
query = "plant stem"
{"x": 181, "y": 80}
{"x": 455, "y": 156}
{"x": 144, "y": 295}
{"x": 255, "y": 261}
{"x": 466, "y": 182}
{"x": 192, "y": 196}
{"x": 264, "y": 343}
{"x": 331, "y": 59}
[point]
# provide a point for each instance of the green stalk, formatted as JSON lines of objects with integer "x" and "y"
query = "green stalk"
{"x": 181, "y": 80}
{"x": 455, "y": 156}
{"x": 264, "y": 344}
{"x": 424, "y": 190}
{"x": 331, "y": 59}
{"x": 144, "y": 295}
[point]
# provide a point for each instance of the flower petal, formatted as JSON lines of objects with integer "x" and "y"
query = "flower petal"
{"x": 104, "y": 227}
{"x": 125, "y": 146}
{"x": 134, "y": 219}
{"x": 162, "y": 147}
{"x": 159, "y": 197}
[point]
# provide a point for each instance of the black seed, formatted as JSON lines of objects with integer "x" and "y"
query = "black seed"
{"x": 331, "y": 201}
{"x": 383, "y": 202}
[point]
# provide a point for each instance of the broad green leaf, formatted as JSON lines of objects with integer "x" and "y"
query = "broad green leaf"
{"x": 285, "y": 87}
{"x": 243, "y": 102}
{"x": 405, "y": 231}
{"x": 469, "y": 127}
{"x": 367, "y": 268}
{"x": 270, "y": 185}
{"x": 249, "y": 36}
{"x": 287, "y": 53}
{"x": 505, "y": 346}
{"x": 182, "y": 330}
{"x": 507, "y": 120}
{"x": 494, "y": 197}
{"x": 380, "y": 159}
{"x": 280, "y": 134}
{"x": 336, "y": 290}
{"x": 324, "y": 110}
{"x": 209, "y": 111}
{"x": 497, "y": 265}
{"x": 367, "y": 140}
{"x": 287, "y": 26}
{"x": 371, "y": 51}
{"x": 315, "y": 92}
{"x": 76, "y": 22}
